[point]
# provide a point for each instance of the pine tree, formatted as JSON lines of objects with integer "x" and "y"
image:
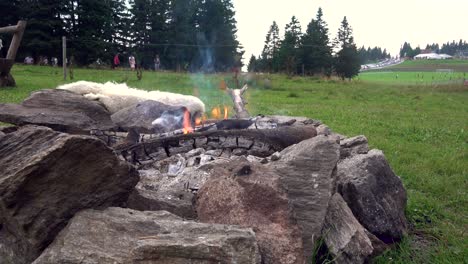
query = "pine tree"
{"x": 252, "y": 67}
{"x": 347, "y": 63}
{"x": 216, "y": 34}
{"x": 92, "y": 32}
{"x": 269, "y": 56}
{"x": 44, "y": 29}
{"x": 141, "y": 25}
{"x": 316, "y": 51}
{"x": 181, "y": 25}
{"x": 289, "y": 50}
{"x": 406, "y": 50}
{"x": 120, "y": 27}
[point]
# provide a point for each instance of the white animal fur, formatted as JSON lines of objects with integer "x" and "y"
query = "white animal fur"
{"x": 119, "y": 96}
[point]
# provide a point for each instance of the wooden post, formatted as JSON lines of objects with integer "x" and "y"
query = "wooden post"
{"x": 16, "y": 40}
{"x": 64, "y": 57}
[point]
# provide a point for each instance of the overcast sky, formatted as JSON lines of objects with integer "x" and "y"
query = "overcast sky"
{"x": 384, "y": 23}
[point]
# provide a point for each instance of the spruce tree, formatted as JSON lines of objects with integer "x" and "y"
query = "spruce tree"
{"x": 44, "y": 29}
{"x": 289, "y": 50}
{"x": 89, "y": 41}
{"x": 181, "y": 37}
{"x": 316, "y": 50}
{"x": 269, "y": 56}
{"x": 216, "y": 34}
{"x": 252, "y": 66}
{"x": 347, "y": 62}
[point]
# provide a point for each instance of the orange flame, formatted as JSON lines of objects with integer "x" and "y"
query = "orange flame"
{"x": 200, "y": 120}
{"x": 187, "y": 126}
{"x": 216, "y": 113}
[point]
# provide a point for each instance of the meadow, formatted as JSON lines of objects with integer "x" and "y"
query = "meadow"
{"x": 420, "y": 125}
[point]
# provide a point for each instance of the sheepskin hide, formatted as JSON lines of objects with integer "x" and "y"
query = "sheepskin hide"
{"x": 116, "y": 96}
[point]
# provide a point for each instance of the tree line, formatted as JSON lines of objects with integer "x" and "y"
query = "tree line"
{"x": 196, "y": 35}
{"x": 372, "y": 55}
{"x": 309, "y": 53}
{"x": 454, "y": 48}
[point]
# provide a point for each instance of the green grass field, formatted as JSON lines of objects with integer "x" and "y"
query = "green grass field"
{"x": 431, "y": 65}
{"x": 421, "y": 126}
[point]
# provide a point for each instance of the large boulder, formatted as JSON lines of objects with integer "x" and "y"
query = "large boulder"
{"x": 46, "y": 178}
{"x": 307, "y": 171}
{"x": 118, "y": 235}
{"x": 142, "y": 115}
{"x": 60, "y": 110}
{"x": 250, "y": 195}
{"x": 285, "y": 201}
{"x": 375, "y": 194}
{"x": 344, "y": 236}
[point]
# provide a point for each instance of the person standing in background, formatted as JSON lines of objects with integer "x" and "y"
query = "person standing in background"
{"x": 157, "y": 63}
{"x": 116, "y": 60}
{"x": 132, "y": 62}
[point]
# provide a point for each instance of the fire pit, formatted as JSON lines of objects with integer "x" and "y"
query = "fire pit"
{"x": 259, "y": 137}
{"x": 287, "y": 182}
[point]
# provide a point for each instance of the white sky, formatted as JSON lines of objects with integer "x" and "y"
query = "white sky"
{"x": 384, "y": 23}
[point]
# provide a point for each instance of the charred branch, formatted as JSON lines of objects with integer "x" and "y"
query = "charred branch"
{"x": 257, "y": 142}
{"x": 239, "y": 101}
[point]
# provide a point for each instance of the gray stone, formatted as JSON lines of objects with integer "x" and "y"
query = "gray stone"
{"x": 323, "y": 130}
{"x": 344, "y": 236}
{"x": 353, "y": 146}
{"x": 194, "y": 152}
{"x": 46, "y": 178}
{"x": 201, "y": 142}
{"x": 306, "y": 172}
{"x": 214, "y": 152}
{"x": 375, "y": 194}
{"x": 161, "y": 191}
{"x": 229, "y": 142}
{"x": 244, "y": 142}
{"x": 141, "y": 116}
{"x": 60, "y": 110}
{"x": 239, "y": 152}
{"x": 250, "y": 195}
{"x": 261, "y": 149}
{"x": 120, "y": 236}
{"x": 275, "y": 156}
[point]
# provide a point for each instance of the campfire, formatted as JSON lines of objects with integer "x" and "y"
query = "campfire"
{"x": 274, "y": 182}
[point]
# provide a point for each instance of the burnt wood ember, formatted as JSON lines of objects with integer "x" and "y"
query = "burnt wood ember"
{"x": 257, "y": 142}
{"x": 228, "y": 124}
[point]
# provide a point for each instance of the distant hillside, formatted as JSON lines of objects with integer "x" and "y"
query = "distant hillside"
{"x": 431, "y": 65}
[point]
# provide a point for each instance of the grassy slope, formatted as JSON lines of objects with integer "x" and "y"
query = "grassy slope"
{"x": 431, "y": 65}
{"x": 421, "y": 129}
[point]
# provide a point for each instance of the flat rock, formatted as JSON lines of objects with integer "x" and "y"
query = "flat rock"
{"x": 118, "y": 235}
{"x": 375, "y": 194}
{"x": 141, "y": 116}
{"x": 160, "y": 191}
{"x": 60, "y": 110}
{"x": 344, "y": 236}
{"x": 307, "y": 171}
{"x": 46, "y": 178}
{"x": 352, "y": 146}
{"x": 250, "y": 195}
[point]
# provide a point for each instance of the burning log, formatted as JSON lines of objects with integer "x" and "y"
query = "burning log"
{"x": 239, "y": 101}
{"x": 257, "y": 142}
